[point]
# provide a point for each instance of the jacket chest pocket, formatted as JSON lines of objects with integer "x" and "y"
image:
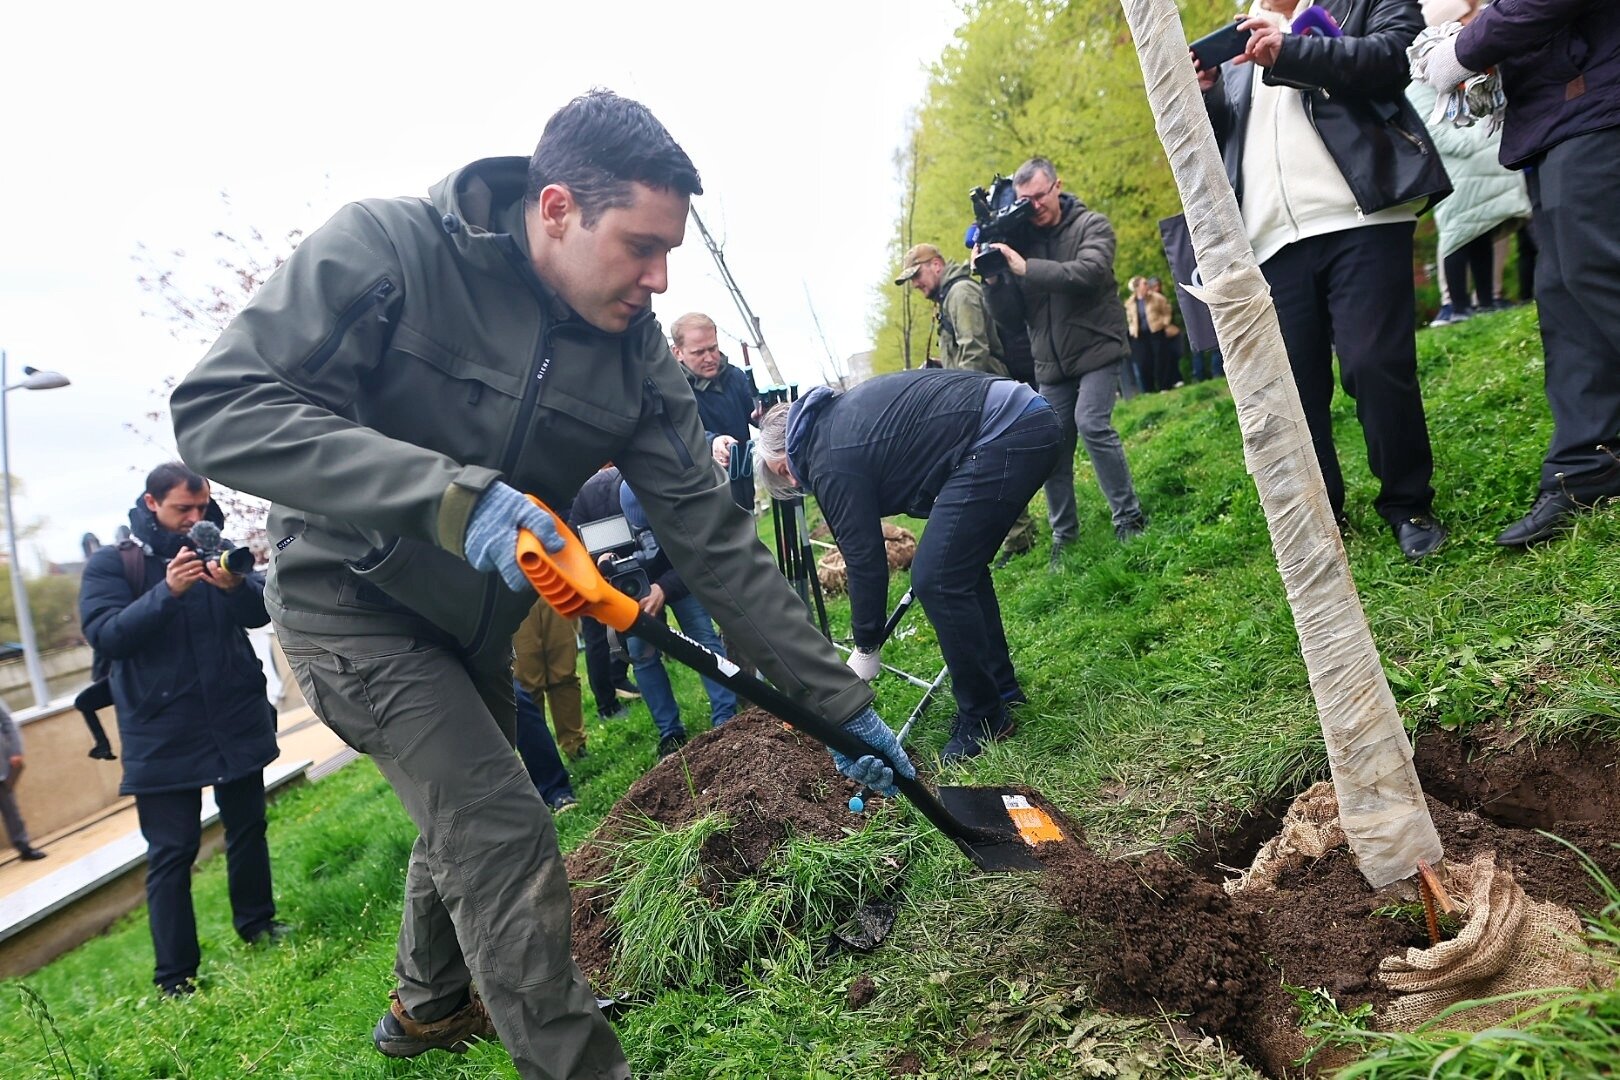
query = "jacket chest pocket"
{"x": 459, "y": 405}
{"x": 572, "y": 436}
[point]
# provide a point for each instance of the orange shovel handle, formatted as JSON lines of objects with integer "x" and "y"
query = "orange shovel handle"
{"x": 569, "y": 581}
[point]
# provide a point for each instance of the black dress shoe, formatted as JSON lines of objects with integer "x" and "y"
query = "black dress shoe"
{"x": 29, "y": 854}
{"x": 1551, "y": 514}
{"x": 1419, "y": 535}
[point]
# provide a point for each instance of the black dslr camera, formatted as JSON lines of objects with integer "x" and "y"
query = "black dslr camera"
{"x": 613, "y": 546}
{"x": 999, "y": 217}
{"x": 206, "y": 540}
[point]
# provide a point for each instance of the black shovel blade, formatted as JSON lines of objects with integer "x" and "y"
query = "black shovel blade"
{"x": 1007, "y": 825}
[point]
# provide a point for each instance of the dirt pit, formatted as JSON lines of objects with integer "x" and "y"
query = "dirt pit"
{"x": 767, "y": 779}
{"x": 1174, "y": 941}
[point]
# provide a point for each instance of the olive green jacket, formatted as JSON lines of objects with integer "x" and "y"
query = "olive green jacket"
{"x": 968, "y": 338}
{"x": 404, "y": 358}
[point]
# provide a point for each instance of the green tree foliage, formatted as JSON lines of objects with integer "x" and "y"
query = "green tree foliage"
{"x": 1026, "y": 78}
{"x": 54, "y": 603}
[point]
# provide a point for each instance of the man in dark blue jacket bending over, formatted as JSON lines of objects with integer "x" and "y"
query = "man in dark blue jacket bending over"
{"x": 965, "y": 450}
{"x": 192, "y": 710}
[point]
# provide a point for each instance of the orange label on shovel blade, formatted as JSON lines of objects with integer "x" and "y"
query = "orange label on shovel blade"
{"x": 1032, "y": 822}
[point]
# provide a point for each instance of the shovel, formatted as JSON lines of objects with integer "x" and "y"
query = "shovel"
{"x": 997, "y": 829}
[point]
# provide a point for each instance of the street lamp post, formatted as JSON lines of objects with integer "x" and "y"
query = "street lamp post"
{"x": 34, "y": 379}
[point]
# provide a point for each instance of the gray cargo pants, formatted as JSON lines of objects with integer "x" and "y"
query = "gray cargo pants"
{"x": 486, "y": 893}
{"x": 1085, "y": 408}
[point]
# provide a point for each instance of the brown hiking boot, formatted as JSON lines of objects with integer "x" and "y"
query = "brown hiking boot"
{"x": 398, "y": 1035}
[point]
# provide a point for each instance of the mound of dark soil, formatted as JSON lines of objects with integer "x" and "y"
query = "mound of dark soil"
{"x": 767, "y": 779}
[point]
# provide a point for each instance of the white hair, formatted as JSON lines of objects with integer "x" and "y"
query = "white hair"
{"x": 771, "y": 448}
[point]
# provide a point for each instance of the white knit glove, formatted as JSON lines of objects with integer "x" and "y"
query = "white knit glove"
{"x": 866, "y": 662}
{"x": 1441, "y": 68}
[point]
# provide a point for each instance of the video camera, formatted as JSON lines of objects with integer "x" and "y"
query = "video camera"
{"x": 613, "y": 546}
{"x": 999, "y": 217}
{"x": 210, "y": 545}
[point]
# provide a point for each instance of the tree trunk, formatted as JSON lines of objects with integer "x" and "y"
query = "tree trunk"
{"x": 1380, "y": 800}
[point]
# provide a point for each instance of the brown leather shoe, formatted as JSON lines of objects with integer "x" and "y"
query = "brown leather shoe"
{"x": 398, "y": 1035}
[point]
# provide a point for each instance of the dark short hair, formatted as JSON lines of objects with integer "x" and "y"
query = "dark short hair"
{"x": 599, "y": 144}
{"x": 169, "y": 475}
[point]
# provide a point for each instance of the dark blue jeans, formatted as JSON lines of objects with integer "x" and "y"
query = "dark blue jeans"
{"x": 653, "y": 680}
{"x": 171, "y": 821}
{"x": 951, "y": 572}
{"x": 538, "y": 749}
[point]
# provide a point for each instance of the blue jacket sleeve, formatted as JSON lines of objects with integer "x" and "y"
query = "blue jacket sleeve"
{"x": 116, "y": 621}
{"x": 1513, "y": 27}
{"x": 246, "y": 602}
{"x": 850, "y": 505}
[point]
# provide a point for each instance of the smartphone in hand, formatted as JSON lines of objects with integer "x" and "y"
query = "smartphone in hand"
{"x": 1215, "y": 49}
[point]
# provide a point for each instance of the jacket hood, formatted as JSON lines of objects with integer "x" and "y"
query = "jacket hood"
{"x": 802, "y": 416}
{"x": 480, "y": 207}
{"x": 154, "y": 538}
{"x": 953, "y": 272}
{"x": 1072, "y": 208}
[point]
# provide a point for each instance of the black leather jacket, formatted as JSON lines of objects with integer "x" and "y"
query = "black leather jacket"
{"x": 1353, "y": 88}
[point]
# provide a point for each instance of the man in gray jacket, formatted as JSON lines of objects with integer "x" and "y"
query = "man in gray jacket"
{"x": 1060, "y": 282}
{"x": 412, "y": 359}
{"x": 11, "y": 762}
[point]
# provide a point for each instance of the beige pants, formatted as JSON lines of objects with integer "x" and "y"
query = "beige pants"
{"x": 546, "y": 663}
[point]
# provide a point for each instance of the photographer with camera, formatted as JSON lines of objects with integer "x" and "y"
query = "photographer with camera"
{"x": 654, "y": 583}
{"x": 1331, "y": 166}
{"x": 1058, "y": 279}
{"x": 726, "y": 399}
{"x": 169, "y": 608}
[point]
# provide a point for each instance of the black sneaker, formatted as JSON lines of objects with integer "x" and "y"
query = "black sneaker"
{"x": 29, "y": 854}
{"x": 563, "y": 803}
{"x": 274, "y": 934}
{"x": 1130, "y": 530}
{"x": 177, "y": 991}
{"x": 579, "y": 754}
{"x": 398, "y": 1036}
{"x": 969, "y": 735}
{"x": 1015, "y": 699}
{"x": 626, "y": 690}
{"x": 1054, "y": 563}
{"x": 103, "y": 752}
{"x": 671, "y": 743}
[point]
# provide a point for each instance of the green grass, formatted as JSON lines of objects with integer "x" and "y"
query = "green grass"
{"x": 1167, "y": 693}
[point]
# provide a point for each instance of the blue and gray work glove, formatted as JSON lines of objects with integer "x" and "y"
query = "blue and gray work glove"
{"x": 869, "y": 769}
{"x": 492, "y": 533}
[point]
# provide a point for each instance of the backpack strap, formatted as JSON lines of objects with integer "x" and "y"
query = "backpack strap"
{"x": 134, "y": 566}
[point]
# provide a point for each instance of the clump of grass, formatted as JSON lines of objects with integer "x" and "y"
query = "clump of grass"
{"x": 1449, "y": 922}
{"x": 679, "y": 929}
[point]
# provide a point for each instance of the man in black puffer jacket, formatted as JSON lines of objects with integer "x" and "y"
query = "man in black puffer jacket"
{"x": 192, "y": 711}
{"x": 1331, "y": 167}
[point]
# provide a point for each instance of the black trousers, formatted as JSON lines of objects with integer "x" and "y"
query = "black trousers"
{"x": 1145, "y": 363}
{"x": 92, "y": 699}
{"x": 1575, "y": 197}
{"x": 951, "y": 571}
{"x": 1477, "y": 257}
{"x": 1350, "y": 292}
{"x": 602, "y": 669}
{"x": 171, "y": 822}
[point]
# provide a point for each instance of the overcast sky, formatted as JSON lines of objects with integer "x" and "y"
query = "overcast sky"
{"x": 122, "y": 125}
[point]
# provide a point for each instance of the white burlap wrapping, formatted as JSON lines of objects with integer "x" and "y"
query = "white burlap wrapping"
{"x": 1310, "y": 830}
{"x": 900, "y": 545}
{"x": 1380, "y": 801}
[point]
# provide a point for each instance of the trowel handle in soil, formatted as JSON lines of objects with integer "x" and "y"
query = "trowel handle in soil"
{"x": 570, "y": 582}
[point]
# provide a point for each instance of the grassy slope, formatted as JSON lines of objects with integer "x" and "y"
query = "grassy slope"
{"x": 1167, "y": 691}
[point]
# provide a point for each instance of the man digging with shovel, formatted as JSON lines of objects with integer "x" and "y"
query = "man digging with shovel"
{"x": 414, "y": 366}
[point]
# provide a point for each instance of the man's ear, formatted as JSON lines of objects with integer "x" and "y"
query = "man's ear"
{"x": 555, "y": 206}
{"x": 151, "y": 503}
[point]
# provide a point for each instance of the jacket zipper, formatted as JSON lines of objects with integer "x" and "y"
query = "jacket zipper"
{"x": 375, "y": 296}
{"x": 666, "y": 422}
